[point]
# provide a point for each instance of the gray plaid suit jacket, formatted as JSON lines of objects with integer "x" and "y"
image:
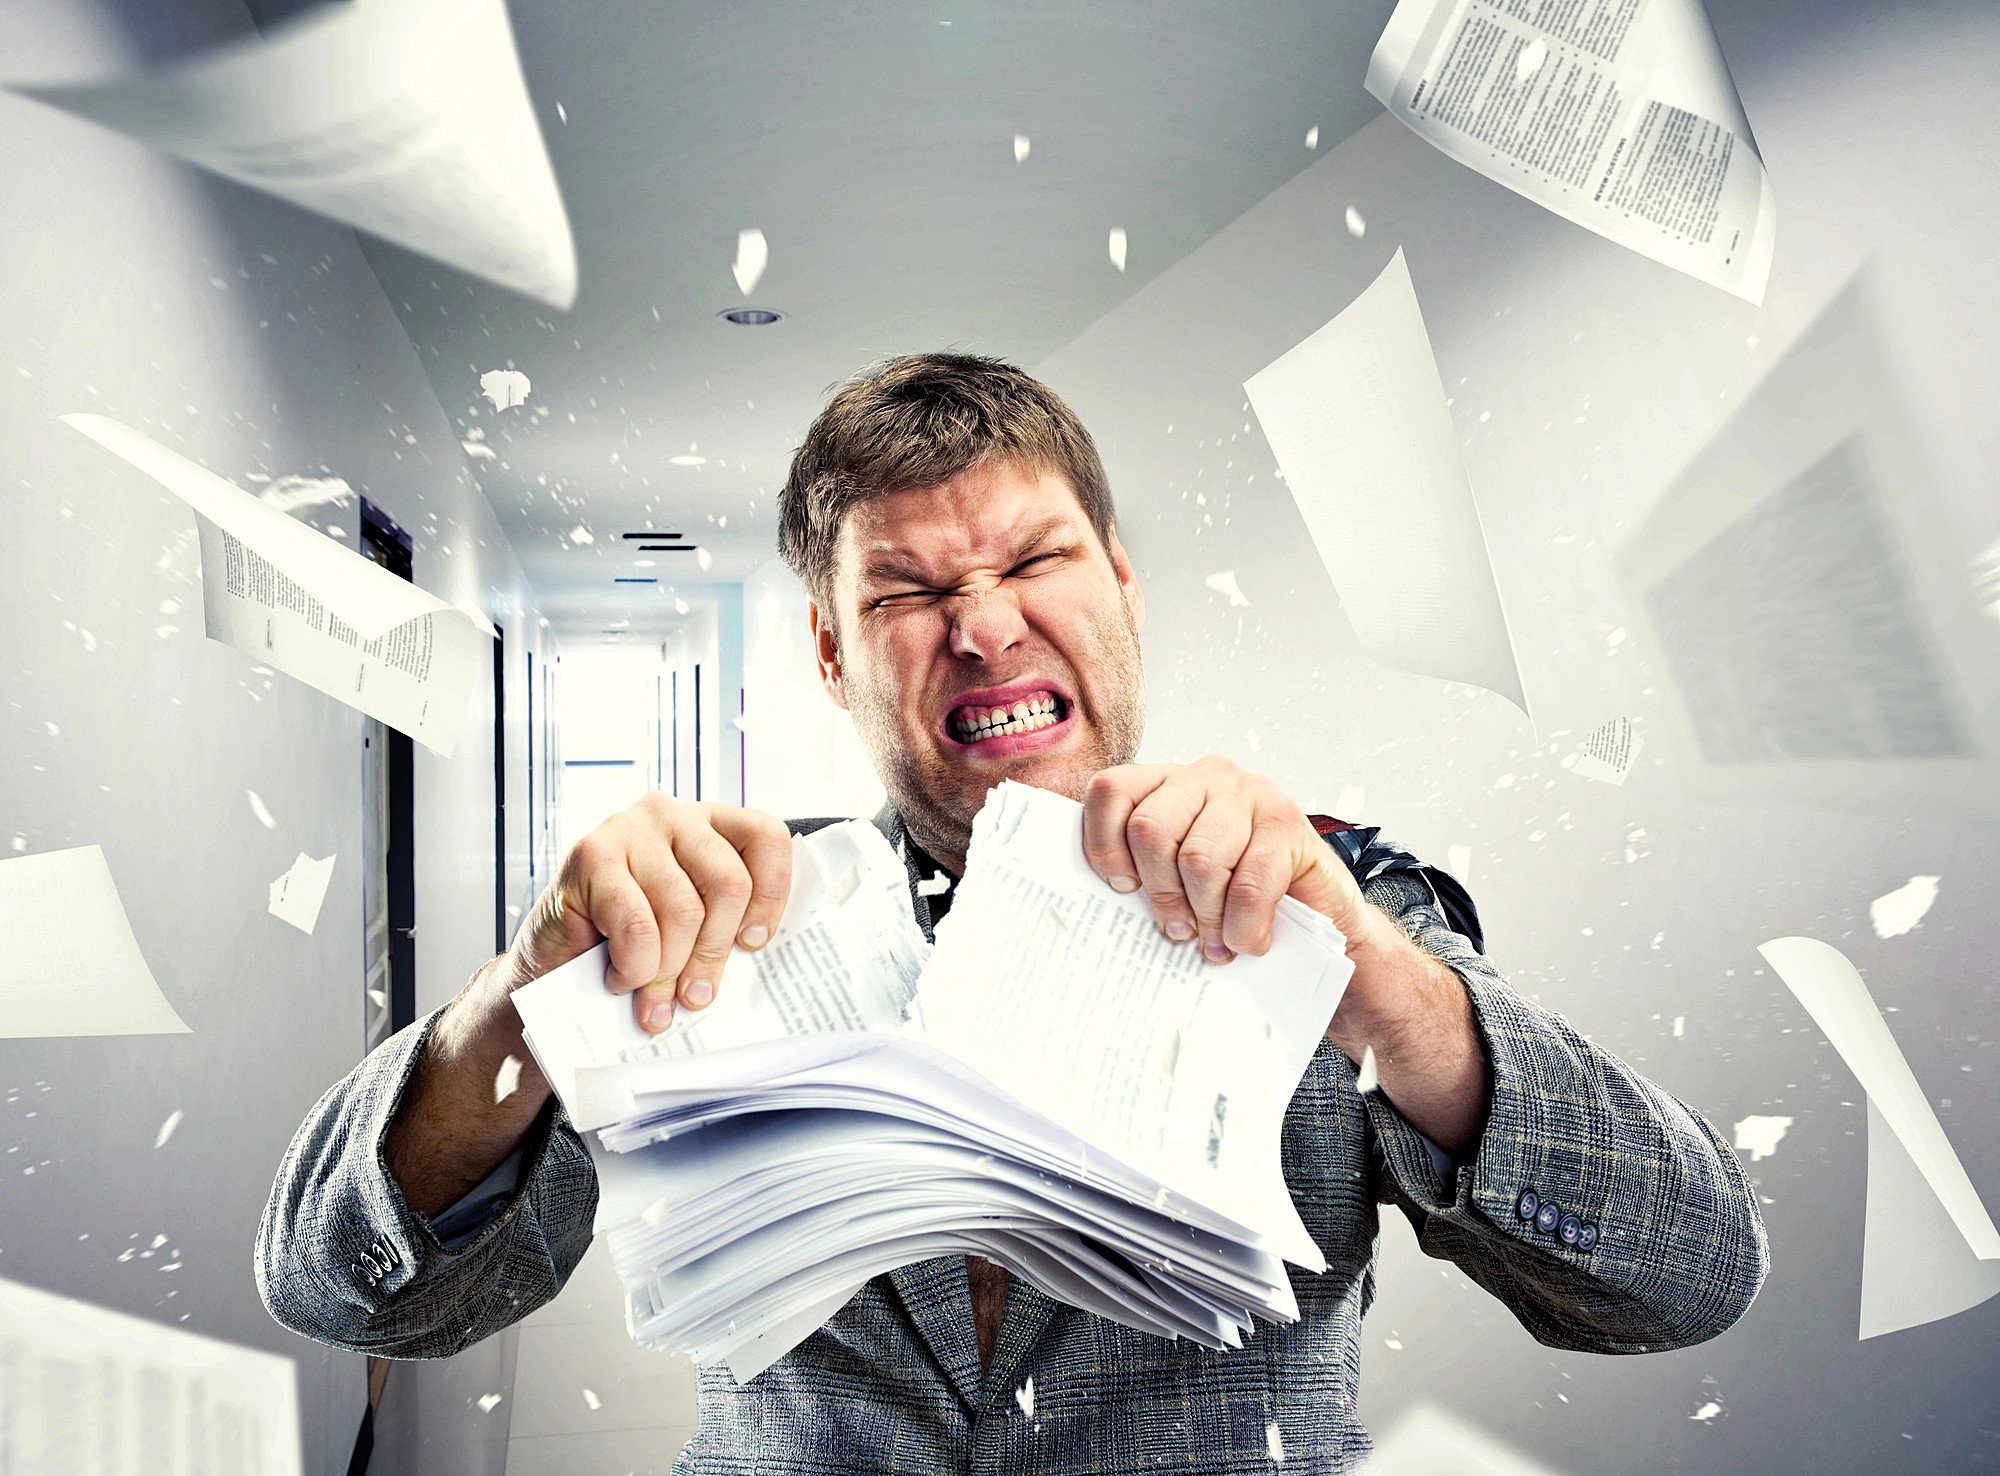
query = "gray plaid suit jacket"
{"x": 1608, "y": 1216}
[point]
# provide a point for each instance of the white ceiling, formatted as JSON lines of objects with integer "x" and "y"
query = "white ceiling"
{"x": 873, "y": 145}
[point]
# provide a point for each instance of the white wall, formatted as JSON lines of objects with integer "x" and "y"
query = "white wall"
{"x": 1583, "y": 378}
{"x": 802, "y": 757}
{"x": 254, "y": 339}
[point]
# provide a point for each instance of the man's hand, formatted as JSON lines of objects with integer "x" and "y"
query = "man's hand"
{"x": 1214, "y": 848}
{"x": 671, "y": 886}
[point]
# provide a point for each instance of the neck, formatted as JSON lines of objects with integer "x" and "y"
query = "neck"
{"x": 947, "y": 848}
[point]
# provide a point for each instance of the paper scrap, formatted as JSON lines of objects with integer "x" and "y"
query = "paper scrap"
{"x": 286, "y": 594}
{"x": 1680, "y": 1025}
{"x": 507, "y": 1080}
{"x": 656, "y": 1213}
{"x": 1025, "y": 1397}
{"x": 409, "y": 121}
{"x": 753, "y": 254}
{"x": 1312, "y": 137}
{"x": 102, "y": 1391}
{"x": 1759, "y": 1136}
{"x": 934, "y": 886}
{"x": 1274, "y": 1443}
{"x": 1365, "y": 1080}
{"x": 1621, "y": 118}
{"x": 1929, "y": 1249}
{"x": 1986, "y": 578}
{"x": 291, "y": 494}
{"x": 72, "y": 964}
{"x": 1707, "y": 1411}
{"x": 1117, "y": 247}
{"x": 296, "y": 896}
{"x": 1224, "y": 583}
{"x": 1356, "y": 415}
{"x": 1896, "y": 913}
{"x": 590, "y": 1398}
{"x": 489, "y": 1402}
{"x": 167, "y": 1129}
{"x": 1021, "y": 148}
{"x": 1357, "y": 227}
{"x": 506, "y": 388}
{"x": 1608, "y": 754}
{"x": 1458, "y": 861}
{"x": 261, "y": 810}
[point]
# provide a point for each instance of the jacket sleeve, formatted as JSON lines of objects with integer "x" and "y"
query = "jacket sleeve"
{"x": 1608, "y": 1215}
{"x": 342, "y": 1259}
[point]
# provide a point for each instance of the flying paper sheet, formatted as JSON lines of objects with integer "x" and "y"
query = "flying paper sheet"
{"x": 1930, "y": 1249}
{"x": 1609, "y": 752}
{"x": 85, "y": 1389}
{"x": 296, "y": 896}
{"x": 409, "y": 120}
{"x": 69, "y": 964}
{"x": 1619, "y": 115}
{"x": 1356, "y": 416}
{"x": 288, "y": 595}
{"x": 1426, "y": 1441}
{"x": 1802, "y": 584}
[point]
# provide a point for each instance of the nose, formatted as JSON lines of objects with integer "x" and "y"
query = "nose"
{"x": 985, "y": 624}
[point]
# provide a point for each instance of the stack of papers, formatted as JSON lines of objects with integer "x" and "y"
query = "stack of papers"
{"x": 1053, "y": 1086}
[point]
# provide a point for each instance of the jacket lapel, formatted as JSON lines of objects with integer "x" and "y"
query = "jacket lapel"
{"x": 1028, "y": 1314}
{"x": 938, "y": 1298}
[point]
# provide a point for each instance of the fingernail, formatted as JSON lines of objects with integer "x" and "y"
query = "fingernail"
{"x": 660, "y": 1016}
{"x": 697, "y": 992}
{"x": 1216, "y": 953}
{"x": 755, "y": 935}
{"x": 1124, "y": 884}
{"x": 1180, "y": 930}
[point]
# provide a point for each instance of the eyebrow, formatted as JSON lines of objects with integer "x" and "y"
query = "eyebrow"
{"x": 889, "y": 566}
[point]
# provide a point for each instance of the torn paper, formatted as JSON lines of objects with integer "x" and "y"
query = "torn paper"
{"x": 286, "y": 594}
{"x": 410, "y": 121}
{"x": 1608, "y": 754}
{"x": 507, "y": 1080}
{"x": 1896, "y": 913}
{"x": 1116, "y": 246}
{"x": 1224, "y": 583}
{"x": 753, "y": 254}
{"x": 1930, "y": 1249}
{"x": 91, "y": 1389}
{"x": 69, "y": 964}
{"x": 166, "y": 1132}
{"x": 1760, "y": 1136}
{"x": 1356, "y": 416}
{"x": 505, "y": 388}
{"x": 1617, "y": 115}
{"x": 296, "y": 896}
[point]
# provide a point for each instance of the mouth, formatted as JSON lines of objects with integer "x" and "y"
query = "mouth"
{"x": 1010, "y": 720}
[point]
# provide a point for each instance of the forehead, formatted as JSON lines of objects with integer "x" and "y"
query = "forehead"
{"x": 986, "y": 510}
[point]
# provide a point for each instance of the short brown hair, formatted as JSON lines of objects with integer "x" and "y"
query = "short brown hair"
{"x": 917, "y": 421}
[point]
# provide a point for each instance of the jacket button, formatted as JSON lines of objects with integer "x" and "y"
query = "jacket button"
{"x": 1547, "y": 1216}
{"x": 1586, "y": 1237}
{"x": 1571, "y": 1230}
{"x": 1528, "y": 1203}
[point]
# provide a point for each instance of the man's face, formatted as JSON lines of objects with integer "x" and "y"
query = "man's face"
{"x": 983, "y": 634}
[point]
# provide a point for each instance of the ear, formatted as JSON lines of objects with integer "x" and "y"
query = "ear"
{"x": 1128, "y": 581}
{"x": 826, "y": 654}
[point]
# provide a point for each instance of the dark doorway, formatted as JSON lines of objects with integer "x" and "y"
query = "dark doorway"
{"x": 499, "y": 789}
{"x": 389, "y": 871}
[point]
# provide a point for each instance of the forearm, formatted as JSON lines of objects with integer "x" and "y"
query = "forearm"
{"x": 450, "y": 1133}
{"x": 1413, "y": 1011}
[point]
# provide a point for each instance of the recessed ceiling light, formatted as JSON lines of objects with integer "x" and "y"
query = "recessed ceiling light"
{"x": 751, "y": 317}
{"x": 645, "y": 563}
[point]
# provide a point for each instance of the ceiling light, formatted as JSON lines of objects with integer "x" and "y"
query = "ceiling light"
{"x": 751, "y": 317}
{"x": 645, "y": 563}
{"x": 632, "y": 579}
{"x": 651, "y": 535}
{"x": 688, "y": 460}
{"x": 667, "y": 548}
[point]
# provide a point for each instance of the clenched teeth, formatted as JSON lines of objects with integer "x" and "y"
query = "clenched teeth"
{"x": 972, "y": 724}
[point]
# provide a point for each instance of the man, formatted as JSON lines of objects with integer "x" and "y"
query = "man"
{"x": 972, "y": 607}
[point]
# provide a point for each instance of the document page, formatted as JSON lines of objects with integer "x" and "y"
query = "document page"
{"x": 1619, "y": 115}
{"x": 1356, "y": 416}
{"x": 408, "y": 119}
{"x": 69, "y": 964}
{"x": 85, "y": 1389}
{"x": 1064, "y": 994}
{"x": 845, "y": 957}
{"x": 288, "y": 595}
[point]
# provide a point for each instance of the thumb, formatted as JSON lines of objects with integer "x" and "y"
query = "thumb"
{"x": 1323, "y": 882}
{"x": 554, "y": 933}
